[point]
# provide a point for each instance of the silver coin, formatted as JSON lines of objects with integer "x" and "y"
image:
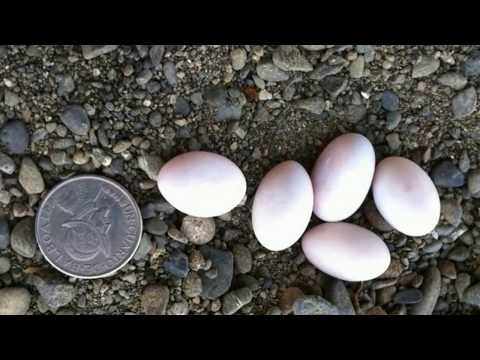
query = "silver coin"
{"x": 88, "y": 227}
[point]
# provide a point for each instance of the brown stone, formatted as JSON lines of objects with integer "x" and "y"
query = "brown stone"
{"x": 287, "y": 299}
{"x": 377, "y": 310}
{"x": 394, "y": 270}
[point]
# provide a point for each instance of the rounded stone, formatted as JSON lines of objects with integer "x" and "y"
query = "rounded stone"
{"x": 14, "y": 137}
{"x": 23, "y": 238}
{"x": 14, "y": 301}
{"x": 198, "y": 231}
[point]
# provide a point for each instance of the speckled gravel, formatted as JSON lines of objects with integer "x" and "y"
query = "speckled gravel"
{"x": 122, "y": 111}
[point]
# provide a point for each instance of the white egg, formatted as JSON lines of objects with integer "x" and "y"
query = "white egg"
{"x": 282, "y": 206}
{"x": 342, "y": 176}
{"x": 406, "y": 196}
{"x": 202, "y": 184}
{"x": 346, "y": 251}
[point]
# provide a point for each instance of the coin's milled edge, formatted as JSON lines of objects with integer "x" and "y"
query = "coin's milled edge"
{"x": 123, "y": 190}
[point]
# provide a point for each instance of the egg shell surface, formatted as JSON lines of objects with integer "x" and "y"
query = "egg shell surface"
{"x": 202, "y": 184}
{"x": 406, "y": 196}
{"x": 342, "y": 177}
{"x": 282, "y": 207}
{"x": 346, "y": 251}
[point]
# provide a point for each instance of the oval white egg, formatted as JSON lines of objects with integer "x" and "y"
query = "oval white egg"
{"x": 202, "y": 184}
{"x": 342, "y": 176}
{"x": 282, "y": 206}
{"x": 346, "y": 251}
{"x": 406, "y": 196}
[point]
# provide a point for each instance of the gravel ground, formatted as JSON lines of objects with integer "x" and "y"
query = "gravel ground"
{"x": 122, "y": 111}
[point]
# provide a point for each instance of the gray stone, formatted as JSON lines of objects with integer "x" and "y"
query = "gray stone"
{"x": 177, "y": 235}
{"x": 425, "y": 67}
{"x": 197, "y": 98}
{"x": 154, "y": 299}
{"x": 170, "y": 72}
{"x": 179, "y": 308}
{"x": 325, "y": 70}
{"x": 144, "y": 247}
{"x": 472, "y": 295}
{"x": 462, "y": 283}
{"x": 245, "y": 280}
{"x": 464, "y": 103}
{"x": 381, "y": 284}
{"x": 453, "y": 80}
{"x": 262, "y": 115}
{"x": 375, "y": 218}
{"x": 471, "y": 66}
{"x": 198, "y": 231}
{"x": 121, "y": 146}
{"x": 275, "y": 310}
{"x": 11, "y": 99}
{"x": 22, "y": 238}
{"x": 4, "y": 265}
{"x": 290, "y": 58}
{"x": 14, "y": 301}
{"x": 239, "y": 58}
{"x": 433, "y": 247}
{"x": 474, "y": 183}
{"x": 314, "y": 305}
{"x": 7, "y": 165}
{"x": 222, "y": 262}
{"x": 151, "y": 165}
{"x": 182, "y": 107}
{"x": 334, "y": 85}
{"x": 269, "y": 72}
{"x": 177, "y": 264}
{"x": 365, "y": 49}
{"x": 5, "y": 197}
{"x": 156, "y": 54}
{"x": 314, "y": 105}
{"x": 226, "y": 104}
{"x": 144, "y": 77}
{"x": 464, "y": 162}
{"x": 30, "y": 177}
{"x": 92, "y": 51}
{"x": 431, "y": 287}
{"x": 242, "y": 259}
{"x": 235, "y": 300}
{"x": 66, "y": 85}
{"x": 53, "y": 290}
{"x": 355, "y": 113}
{"x": 393, "y": 119}
{"x": 192, "y": 285}
{"x": 155, "y": 119}
{"x": 393, "y": 141}
{"x": 314, "y": 47}
{"x": 75, "y": 118}
{"x": 156, "y": 226}
{"x": 142, "y": 50}
{"x": 339, "y": 296}
{"x": 14, "y": 137}
{"x": 408, "y": 296}
{"x": 452, "y": 211}
{"x": 390, "y": 101}
{"x": 446, "y": 174}
{"x": 62, "y": 144}
{"x": 356, "y": 67}
{"x": 39, "y": 135}
{"x": 459, "y": 253}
